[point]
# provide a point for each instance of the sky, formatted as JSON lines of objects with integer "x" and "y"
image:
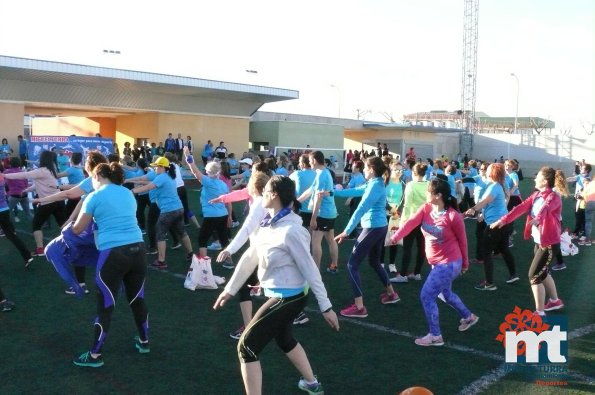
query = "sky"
{"x": 383, "y": 58}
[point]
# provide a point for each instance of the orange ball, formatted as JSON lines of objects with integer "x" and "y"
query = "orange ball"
{"x": 416, "y": 391}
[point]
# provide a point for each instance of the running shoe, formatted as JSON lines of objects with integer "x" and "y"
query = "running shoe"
{"x": 392, "y": 268}
{"x": 215, "y": 246}
{"x": 429, "y": 340}
{"x": 38, "y": 252}
{"x": 152, "y": 251}
{"x": 7, "y": 305}
{"x": 142, "y": 348}
{"x": 353, "y": 312}
{"x": 551, "y": 305}
{"x": 87, "y": 360}
{"x": 387, "y": 298}
{"x": 399, "y": 279}
{"x": 485, "y": 286}
{"x": 17, "y": 220}
{"x": 156, "y": 264}
{"x": 235, "y": 224}
{"x": 416, "y": 277}
{"x": 237, "y": 333}
{"x": 332, "y": 269}
{"x": 559, "y": 266}
{"x": 301, "y": 319}
{"x": 586, "y": 243}
{"x": 72, "y": 291}
{"x": 175, "y": 247}
{"x": 312, "y": 389}
{"x": 467, "y": 323}
{"x": 539, "y": 313}
{"x": 28, "y": 262}
{"x": 512, "y": 279}
{"x": 228, "y": 264}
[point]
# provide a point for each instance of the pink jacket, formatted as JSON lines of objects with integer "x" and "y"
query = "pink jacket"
{"x": 548, "y": 217}
{"x": 446, "y": 240}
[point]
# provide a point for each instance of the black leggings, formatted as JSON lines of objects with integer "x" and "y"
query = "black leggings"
{"x": 274, "y": 320}
{"x": 414, "y": 236}
{"x": 115, "y": 266}
{"x": 497, "y": 240}
{"x": 244, "y": 292}
{"x": 142, "y": 202}
{"x": 43, "y": 212}
{"x": 539, "y": 268}
{"x": 8, "y": 229}
{"x": 152, "y": 218}
{"x": 214, "y": 224}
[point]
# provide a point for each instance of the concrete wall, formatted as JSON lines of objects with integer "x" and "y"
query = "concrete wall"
{"x": 535, "y": 151}
{"x": 11, "y": 123}
{"x": 296, "y": 134}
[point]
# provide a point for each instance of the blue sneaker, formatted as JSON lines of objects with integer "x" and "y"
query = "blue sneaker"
{"x": 6, "y": 305}
{"x": 142, "y": 348}
{"x": 87, "y": 360}
{"x": 315, "y": 388}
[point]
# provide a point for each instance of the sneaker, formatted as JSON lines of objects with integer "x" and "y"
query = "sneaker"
{"x": 88, "y": 361}
{"x": 354, "y": 312}
{"x": 17, "y": 220}
{"x": 485, "y": 286}
{"x": 214, "y": 246}
{"x": 582, "y": 239}
{"x": 429, "y": 340}
{"x": 7, "y": 305}
{"x": 235, "y": 224}
{"x": 142, "y": 348}
{"x": 392, "y": 268}
{"x": 551, "y": 305}
{"x": 301, "y": 319}
{"x": 152, "y": 251}
{"x": 156, "y": 264}
{"x": 228, "y": 264}
{"x": 315, "y": 388}
{"x": 237, "y": 333}
{"x": 512, "y": 279}
{"x": 416, "y": 277}
{"x": 510, "y": 244}
{"x": 143, "y": 232}
{"x": 386, "y": 298}
{"x": 559, "y": 266}
{"x": 71, "y": 290}
{"x": 399, "y": 279}
{"x": 467, "y": 323}
{"x": 539, "y": 313}
{"x": 28, "y": 262}
{"x": 586, "y": 243}
{"x": 38, "y": 252}
{"x": 332, "y": 269}
{"x": 175, "y": 247}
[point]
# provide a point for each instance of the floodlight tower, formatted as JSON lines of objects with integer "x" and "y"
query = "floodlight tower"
{"x": 469, "y": 75}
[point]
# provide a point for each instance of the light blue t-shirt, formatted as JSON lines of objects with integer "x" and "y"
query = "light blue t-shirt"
{"x": 372, "y": 209}
{"x": 453, "y": 185}
{"x": 212, "y": 188}
{"x": 166, "y": 194}
{"x": 512, "y": 179}
{"x": 75, "y": 175}
{"x": 281, "y": 171}
{"x": 153, "y": 192}
{"x": 324, "y": 182}
{"x": 394, "y": 192}
{"x": 86, "y": 185}
{"x": 63, "y": 162}
{"x": 356, "y": 180}
{"x": 303, "y": 180}
{"x": 113, "y": 208}
{"x": 496, "y": 209}
{"x": 246, "y": 176}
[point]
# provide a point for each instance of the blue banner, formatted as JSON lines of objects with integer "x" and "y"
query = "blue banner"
{"x": 70, "y": 144}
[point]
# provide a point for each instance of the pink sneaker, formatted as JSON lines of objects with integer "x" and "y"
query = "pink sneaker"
{"x": 429, "y": 340}
{"x": 551, "y": 305}
{"x": 354, "y": 312}
{"x": 386, "y": 298}
{"x": 467, "y": 323}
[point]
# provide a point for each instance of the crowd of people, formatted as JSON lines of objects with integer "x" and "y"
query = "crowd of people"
{"x": 291, "y": 209}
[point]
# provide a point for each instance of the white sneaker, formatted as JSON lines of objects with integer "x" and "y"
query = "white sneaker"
{"x": 215, "y": 246}
{"x": 399, "y": 279}
{"x": 416, "y": 277}
{"x": 17, "y": 220}
{"x": 235, "y": 224}
{"x": 392, "y": 268}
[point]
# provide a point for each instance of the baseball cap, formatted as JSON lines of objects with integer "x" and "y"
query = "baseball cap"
{"x": 160, "y": 162}
{"x": 247, "y": 161}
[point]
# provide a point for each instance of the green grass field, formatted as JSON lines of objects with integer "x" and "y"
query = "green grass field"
{"x": 192, "y": 353}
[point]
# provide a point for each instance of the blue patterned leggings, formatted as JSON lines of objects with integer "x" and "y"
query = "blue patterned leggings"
{"x": 439, "y": 284}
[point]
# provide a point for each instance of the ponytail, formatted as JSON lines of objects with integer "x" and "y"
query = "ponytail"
{"x": 112, "y": 171}
{"x": 171, "y": 171}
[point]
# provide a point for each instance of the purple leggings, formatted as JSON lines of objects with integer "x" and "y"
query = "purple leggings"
{"x": 439, "y": 284}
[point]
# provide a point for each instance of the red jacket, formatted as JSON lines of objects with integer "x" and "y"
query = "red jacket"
{"x": 548, "y": 217}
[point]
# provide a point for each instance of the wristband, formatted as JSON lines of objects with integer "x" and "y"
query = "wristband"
{"x": 189, "y": 159}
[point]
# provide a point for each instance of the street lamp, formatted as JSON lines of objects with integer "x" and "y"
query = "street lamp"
{"x": 516, "y": 115}
{"x": 340, "y": 96}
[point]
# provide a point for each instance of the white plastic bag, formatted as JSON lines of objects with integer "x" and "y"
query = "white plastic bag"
{"x": 200, "y": 275}
{"x": 393, "y": 226}
{"x": 566, "y": 245}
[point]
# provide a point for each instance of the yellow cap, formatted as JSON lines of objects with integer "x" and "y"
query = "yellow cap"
{"x": 160, "y": 162}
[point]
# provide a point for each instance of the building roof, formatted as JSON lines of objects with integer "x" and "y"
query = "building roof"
{"x": 46, "y": 86}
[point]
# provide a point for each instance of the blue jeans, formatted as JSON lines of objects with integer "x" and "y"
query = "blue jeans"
{"x": 439, "y": 283}
{"x": 589, "y": 211}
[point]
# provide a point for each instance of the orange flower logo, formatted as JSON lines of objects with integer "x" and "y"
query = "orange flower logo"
{"x": 520, "y": 321}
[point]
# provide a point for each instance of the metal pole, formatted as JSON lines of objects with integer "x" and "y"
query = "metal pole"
{"x": 516, "y": 115}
